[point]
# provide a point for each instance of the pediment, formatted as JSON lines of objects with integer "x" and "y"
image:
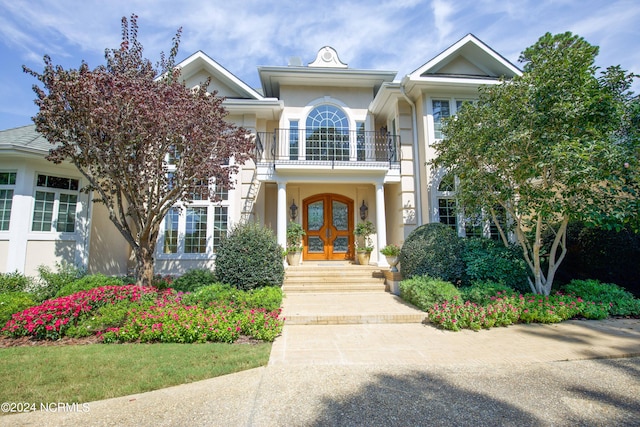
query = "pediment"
{"x": 197, "y": 68}
{"x": 469, "y": 57}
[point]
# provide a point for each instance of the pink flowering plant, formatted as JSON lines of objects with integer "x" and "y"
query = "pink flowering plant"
{"x": 507, "y": 308}
{"x": 144, "y": 314}
{"x": 53, "y": 317}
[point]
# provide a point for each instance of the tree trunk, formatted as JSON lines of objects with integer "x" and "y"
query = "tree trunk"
{"x": 144, "y": 266}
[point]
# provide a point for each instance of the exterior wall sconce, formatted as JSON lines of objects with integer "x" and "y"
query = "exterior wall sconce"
{"x": 364, "y": 210}
{"x": 294, "y": 210}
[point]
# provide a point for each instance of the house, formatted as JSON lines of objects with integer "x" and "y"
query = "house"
{"x": 334, "y": 145}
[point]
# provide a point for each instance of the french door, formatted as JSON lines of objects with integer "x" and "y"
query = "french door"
{"x": 328, "y": 222}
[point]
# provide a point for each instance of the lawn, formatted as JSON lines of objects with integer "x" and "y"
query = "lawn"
{"x": 85, "y": 373}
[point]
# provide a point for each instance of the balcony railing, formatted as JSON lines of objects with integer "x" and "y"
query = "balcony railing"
{"x": 327, "y": 147}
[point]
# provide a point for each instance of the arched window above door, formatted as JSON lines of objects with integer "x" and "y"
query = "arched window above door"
{"x": 327, "y": 134}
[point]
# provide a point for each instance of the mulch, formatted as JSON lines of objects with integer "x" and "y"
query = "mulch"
{"x": 7, "y": 342}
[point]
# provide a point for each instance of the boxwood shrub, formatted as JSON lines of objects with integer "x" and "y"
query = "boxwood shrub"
{"x": 250, "y": 257}
{"x": 194, "y": 279}
{"x": 88, "y": 282}
{"x": 489, "y": 260}
{"x": 13, "y": 302}
{"x": 434, "y": 250}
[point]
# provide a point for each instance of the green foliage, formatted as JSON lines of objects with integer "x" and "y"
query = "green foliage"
{"x": 490, "y": 260}
{"x": 363, "y": 231}
{"x": 483, "y": 292}
{"x": 52, "y": 281}
{"x": 267, "y": 297}
{"x": 295, "y": 232}
{"x": 617, "y": 300}
{"x": 13, "y": 302}
{"x": 105, "y": 317}
{"x": 193, "y": 279}
{"x": 434, "y": 250}
{"x": 607, "y": 255}
{"x": 424, "y": 291}
{"x": 250, "y": 257}
{"x": 541, "y": 147}
{"x": 14, "y": 282}
{"x": 88, "y": 282}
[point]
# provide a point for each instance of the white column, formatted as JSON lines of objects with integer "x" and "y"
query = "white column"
{"x": 381, "y": 225}
{"x": 282, "y": 214}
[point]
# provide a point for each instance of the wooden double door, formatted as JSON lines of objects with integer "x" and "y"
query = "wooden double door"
{"x": 328, "y": 222}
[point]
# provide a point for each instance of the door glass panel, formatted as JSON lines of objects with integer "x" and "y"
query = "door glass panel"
{"x": 316, "y": 245}
{"x": 341, "y": 244}
{"x": 340, "y": 216}
{"x": 315, "y": 215}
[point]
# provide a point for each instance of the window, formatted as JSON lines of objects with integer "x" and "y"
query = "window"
{"x": 171, "y": 231}
{"x": 327, "y": 134}
{"x": 7, "y": 182}
{"x": 60, "y": 203}
{"x": 293, "y": 140}
{"x": 440, "y": 110}
{"x": 195, "y": 236}
{"x": 447, "y": 212}
{"x": 360, "y": 145}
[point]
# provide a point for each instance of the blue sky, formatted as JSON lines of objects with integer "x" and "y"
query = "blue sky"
{"x": 397, "y": 35}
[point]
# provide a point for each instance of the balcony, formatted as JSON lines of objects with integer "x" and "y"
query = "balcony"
{"x": 327, "y": 148}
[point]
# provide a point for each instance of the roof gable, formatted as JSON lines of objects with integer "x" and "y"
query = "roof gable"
{"x": 468, "y": 57}
{"x": 197, "y": 68}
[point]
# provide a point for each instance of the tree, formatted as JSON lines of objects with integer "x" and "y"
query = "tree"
{"x": 544, "y": 147}
{"x": 125, "y": 124}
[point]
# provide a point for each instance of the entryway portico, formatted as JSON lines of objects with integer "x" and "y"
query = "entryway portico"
{"x": 328, "y": 211}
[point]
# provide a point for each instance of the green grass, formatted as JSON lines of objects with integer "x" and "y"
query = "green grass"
{"x": 86, "y": 373}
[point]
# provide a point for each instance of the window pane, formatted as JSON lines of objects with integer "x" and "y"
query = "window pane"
{"x": 57, "y": 182}
{"x": 43, "y": 211}
{"x": 440, "y": 111}
{"x": 195, "y": 237}
{"x": 219, "y": 225}
{"x": 171, "y": 231}
{"x": 502, "y": 220}
{"x": 447, "y": 212}
{"x": 293, "y": 140}
{"x": 6, "y": 200}
{"x": 447, "y": 183}
{"x": 327, "y": 134}
{"x": 67, "y": 213}
{"x": 7, "y": 178}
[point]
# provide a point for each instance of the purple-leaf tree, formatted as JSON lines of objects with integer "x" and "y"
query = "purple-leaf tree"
{"x": 140, "y": 137}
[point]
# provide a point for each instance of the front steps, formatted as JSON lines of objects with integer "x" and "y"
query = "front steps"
{"x": 339, "y": 293}
{"x": 329, "y": 276}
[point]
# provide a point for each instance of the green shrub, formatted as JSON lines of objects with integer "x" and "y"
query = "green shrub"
{"x": 487, "y": 259}
{"x": 424, "y": 292}
{"x": 108, "y": 316}
{"x": 14, "y": 282}
{"x": 88, "y": 282}
{"x": 250, "y": 257}
{"x": 13, "y": 302}
{"x": 619, "y": 301}
{"x": 434, "y": 250}
{"x": 51, "y": 282}
{"x": 482, "y": 292}
{"x": 268, "y": 297}
{"x": 193, "y": 279}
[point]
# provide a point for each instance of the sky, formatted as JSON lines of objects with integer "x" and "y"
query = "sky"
{"x": 395, "y": 35}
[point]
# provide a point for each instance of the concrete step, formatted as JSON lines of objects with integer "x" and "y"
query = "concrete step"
{"x": 342, "y": 308}
{"x": 333, "y": 277}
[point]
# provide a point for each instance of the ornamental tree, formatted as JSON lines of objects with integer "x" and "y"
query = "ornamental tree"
{"x": 545, "y": 148}
{"x": 140, "y": 137}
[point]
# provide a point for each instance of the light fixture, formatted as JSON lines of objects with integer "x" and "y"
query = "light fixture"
{"x": 363, "y": 211}
{"x": 294, "y": 210}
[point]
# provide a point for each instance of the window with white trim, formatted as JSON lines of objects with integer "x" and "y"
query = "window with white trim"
{"x": 441, "y": 110}
{"x": 7, "y": 184}
{"x": 447, "y": 209}
{"x": 196, "y": 228}
{"x": 55, "y": 204}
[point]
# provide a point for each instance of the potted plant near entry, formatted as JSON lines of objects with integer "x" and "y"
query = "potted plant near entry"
{"x": 294, "y": 243}
{"x": 392, "y": 253}
{"x": 364, "y": 244}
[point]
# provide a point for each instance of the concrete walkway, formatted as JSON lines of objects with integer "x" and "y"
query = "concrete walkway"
{"x": 572, "y": 373}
